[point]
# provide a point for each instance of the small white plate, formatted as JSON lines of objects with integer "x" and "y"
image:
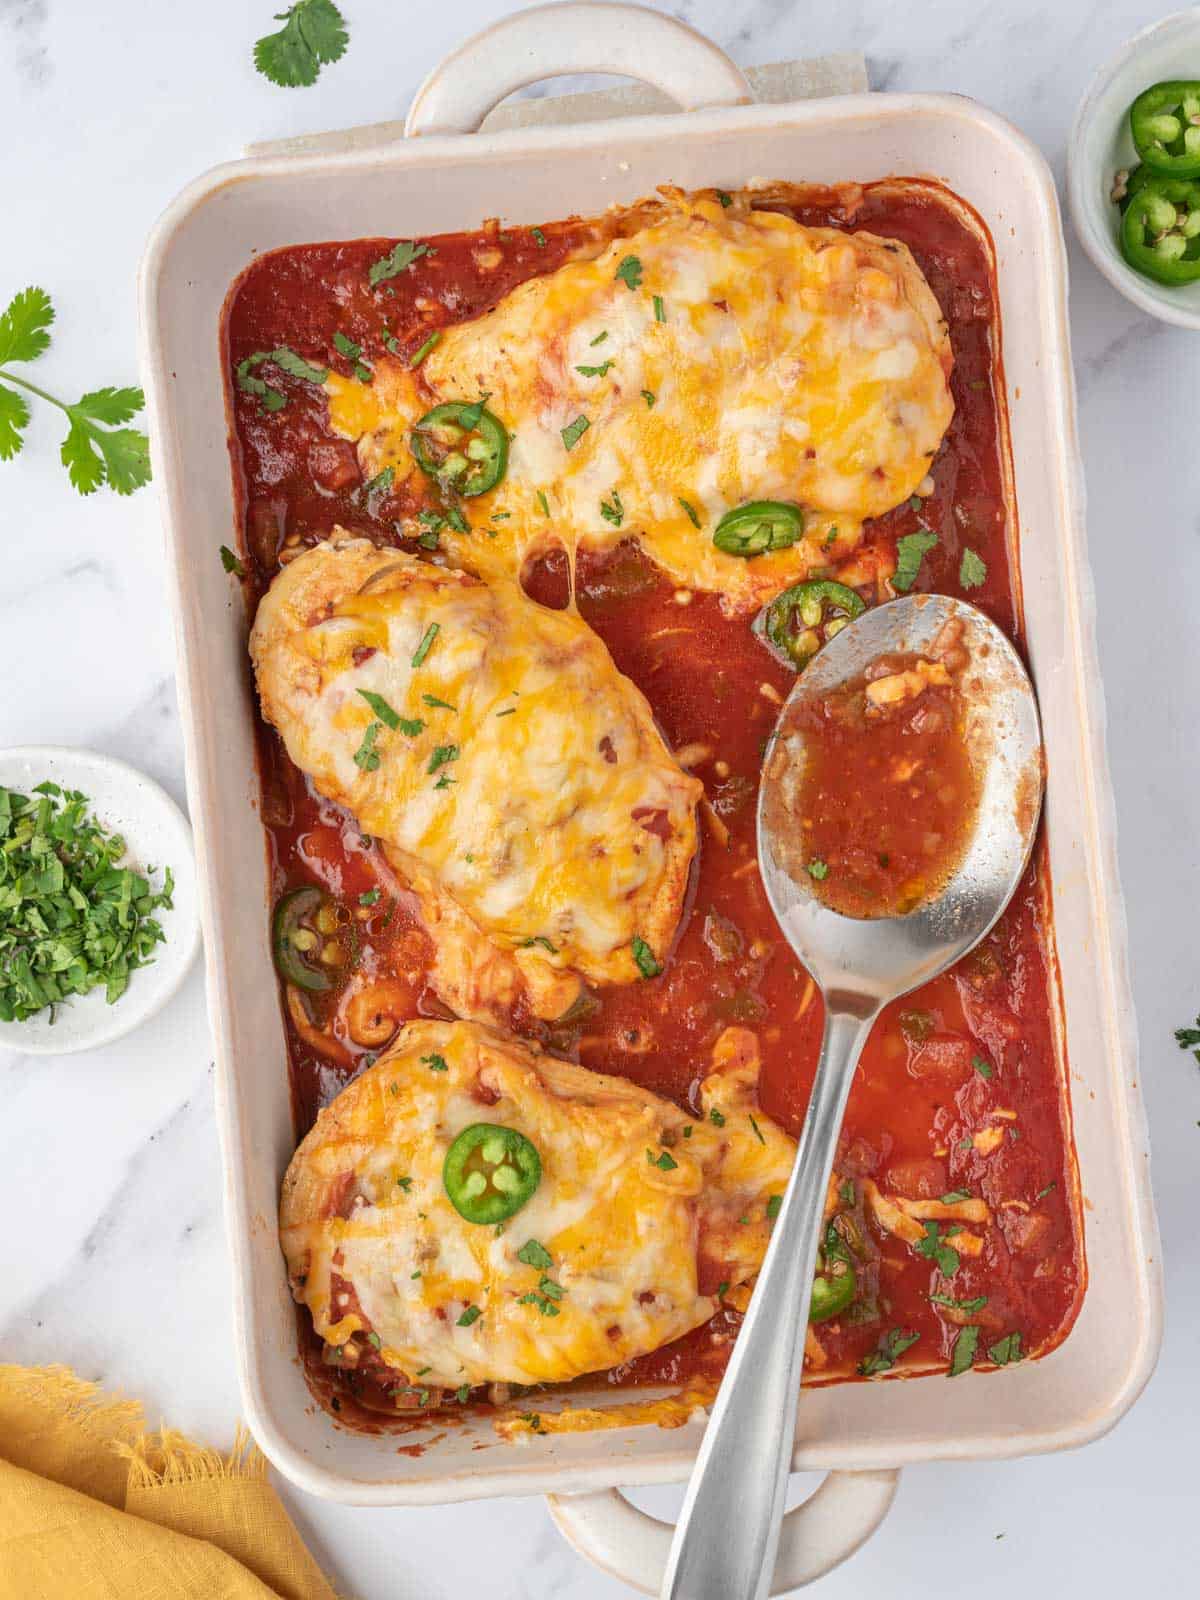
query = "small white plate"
{"x": 157, "y": 835}
{"x": 1100, "y": 145}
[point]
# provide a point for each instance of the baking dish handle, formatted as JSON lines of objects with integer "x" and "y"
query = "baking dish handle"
{"x": 817, "y": 1536}
{"x": 579, "y": 36}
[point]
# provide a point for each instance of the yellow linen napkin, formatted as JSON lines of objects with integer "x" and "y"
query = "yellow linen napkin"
{"x": 93, "y": 1507}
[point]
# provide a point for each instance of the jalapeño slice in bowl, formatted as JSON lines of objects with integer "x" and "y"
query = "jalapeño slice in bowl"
{"x": 1160, "y": 231}
{"x": 803, "y": 618}
{"x": 463, "y": 446}
{"x": 1165, "y": 123}
{"x": 490, "y": 1172}
{"x": 759, "y": 526}
{"x": 308, "y": 938}
{"x": 835, "y": 1281}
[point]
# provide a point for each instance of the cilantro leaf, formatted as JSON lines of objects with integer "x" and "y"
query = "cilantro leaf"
{"x": 630, "y": 272}
{"x": 401, "y": 256}
{"x": 534, "y": 1254}
{"x": 111, "y": 406}
{"x": 934, "y": 1248}
{"x": 1189, "y": 1039}
{"x": 14, "y": 416}
{"x": 314, "y": 34}
{"x": 647, "y": 962}
{"x": 574, "y": 431}
{"x": 911, "y": 548}
{"x": 963, "y": 1354}
{"x": 818, "y": 869}
{"x": 23, "y": 335}
{"x": 972, "y": 570}
{"x": 91, "y": 453}
{"x": 1006, "y": 1350}
{"x": 889, "y": 1352}
{"x": 231, "y": 563}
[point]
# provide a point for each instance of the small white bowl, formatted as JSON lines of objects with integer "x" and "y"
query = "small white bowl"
{"x": 1100, "y": 145}
{"x": 156, "y": 834}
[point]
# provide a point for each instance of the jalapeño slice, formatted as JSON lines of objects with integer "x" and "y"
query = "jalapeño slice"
{"x": 304, "y": 938}
{"x": 1160, "y": 231}
{"x": 835, "y": 1281}
{"x": 806, "y": 616}
{"x": 762, "y": 525}
{"x": 1165, "y": 123}
{"x": 490, "y": 1172}
{"x": 463, "y": 446}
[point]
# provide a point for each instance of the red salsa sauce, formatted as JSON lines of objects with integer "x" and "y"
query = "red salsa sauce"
{"x": 961, "y": 1088}
{"x": 889, "y": 792}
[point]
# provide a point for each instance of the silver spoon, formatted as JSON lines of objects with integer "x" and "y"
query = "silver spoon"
{"x": 728, "y": 1531}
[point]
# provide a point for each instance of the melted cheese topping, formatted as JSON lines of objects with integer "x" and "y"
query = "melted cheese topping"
{"x": 525, "y": 780}
{"x": 625, "y": 1235}
{"x": 756, "y": 359}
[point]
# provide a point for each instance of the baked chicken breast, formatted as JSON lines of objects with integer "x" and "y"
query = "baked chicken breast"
{"x": 515, "y": 778}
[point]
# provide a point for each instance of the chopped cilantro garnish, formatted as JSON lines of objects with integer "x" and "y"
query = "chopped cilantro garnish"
{"x": 366, "y": 756}
{"x": 649, "y": 397}
{"x": 934, "y": 1248}
{"x": 599, "y": 339}
{"x": 1189, "y": 1039}
{"x": 463, "y": 1393}
{"x": 543, "y": 502}
{"x": 426, "y": 644}
{"x": 381, "y": 709}
{"x": 596, "y": 372}
{"x": 382, "y": 482}
{"x": 71, "y": 919}
{"x": 539, "y": 238}
{"x": 716, "y": 1118}
{"x": 346, "y": 347}
{"x": 818, "y": 869}
{"x": 962, "y": 1356}
{"x": 692, "y": 514}
{"x": 470, "y": 1315}
{"x": 398, "y": 259}
{"x": 911, "y": 549}
{"x": 664, "y": 1160}
{"x": 231, "y": 563}
{"x": 1005, "y": 1351}
{"x": 726, "y": 200}
{"x": 425, "y": 348}
{"x": 889, "y": 1352}
{"x": 630, "y": 272}
{"x": 976, "y": 1303}
{"x": 953, "y": 1196}
{"x": 441, "y": 705}
{"x": 972, "y": 570}
{"x": 647, "y": 963}
{"x": 435, "y": 1062}
{"x": 574, "y": 431}
{"x": 757, "y": 1131}
{"x": 538, "y": 938}
{"x": 660, "y": 314}
{"x": 534, "y": 1254}
{"x": 982, "y": 1067}
{"x": 612, "y": 510}
{"x": 774, "y": 1206}
{"x": 441, "y": 755}
{"x": 369, "y": 897}
{"x": 1042, "y": 1193}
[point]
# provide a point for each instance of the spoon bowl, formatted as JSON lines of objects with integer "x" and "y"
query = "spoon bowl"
{"x": 728, "y": 1531}
{"x": 881, "y": 957}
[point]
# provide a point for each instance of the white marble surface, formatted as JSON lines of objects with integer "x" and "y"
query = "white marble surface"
{"x": 108, "y": 1164}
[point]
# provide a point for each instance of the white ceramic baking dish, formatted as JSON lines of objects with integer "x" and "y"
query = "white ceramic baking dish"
{"x": 452, "y": 178}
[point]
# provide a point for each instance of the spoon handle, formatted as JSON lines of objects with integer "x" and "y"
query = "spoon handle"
{"x": 728, "y": 1531}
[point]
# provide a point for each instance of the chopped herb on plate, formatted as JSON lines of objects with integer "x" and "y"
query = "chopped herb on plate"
{"x": 71, "y": 918}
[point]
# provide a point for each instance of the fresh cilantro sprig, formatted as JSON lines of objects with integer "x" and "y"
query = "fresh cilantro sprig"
{"x": 71, "y": 918}
{"x": 97, "y": 450}
{"x": 313, "y": 35}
